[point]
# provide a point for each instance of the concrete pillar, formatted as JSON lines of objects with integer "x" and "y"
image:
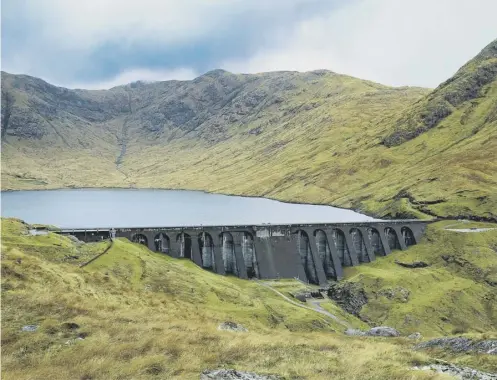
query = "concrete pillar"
{"x": 150, "y": 240}
{"x": 384, "y": 240}
{"x": 240, "y": 263}
{"x": 367, "y": 243}
{"x": 337, "y": 265}
{"x": 217, "y": 249}
{"x": 196, "y": 255}
{"x": 318, "y": 264}
{"x": 402, "y": 243}
{"x": 350, "y": 246}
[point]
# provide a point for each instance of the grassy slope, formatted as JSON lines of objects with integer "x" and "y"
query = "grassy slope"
{"x": 452, "y": 295}
{"x": 150, "y": 316}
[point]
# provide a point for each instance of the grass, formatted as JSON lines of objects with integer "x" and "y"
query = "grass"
{"x": 451, "y": 296}
{"x": 147, "y": 316}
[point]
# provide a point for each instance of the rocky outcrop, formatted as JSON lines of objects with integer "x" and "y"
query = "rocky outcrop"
{"x": 233, "y": 374}
{"x": 462, "y": 373}
{"x": 383, "y": 331}
{"x": 231, "y": 326}
{"x": 350, "y": 296}
{"x": 461, "y": 344}
{"x": 415, "y": 264}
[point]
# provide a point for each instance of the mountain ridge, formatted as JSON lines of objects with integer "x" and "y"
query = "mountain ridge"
{"x": 314, "y": 137}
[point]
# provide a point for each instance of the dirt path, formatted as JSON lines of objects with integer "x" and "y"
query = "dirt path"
{"x": 317, "y": 307}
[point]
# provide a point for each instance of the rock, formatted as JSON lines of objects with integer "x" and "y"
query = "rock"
{"x": 415, "y": 336}
{"x": 29, "y": 328}
{"x": 462, "y": 373}
{"x": 383, "y": 331}
{"x": 460, "y": 344}
{"x": 415, "y": 264}
{"x": 231, "y": 326}
{"x": 355, "y": 332}
{"x": 233, "y": 374}
{"x": 351, "y": 297}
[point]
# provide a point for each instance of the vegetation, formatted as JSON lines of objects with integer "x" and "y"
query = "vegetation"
{"x": 455, "y": 294}
{"x": 144, "y": 315}
{"x": 315, "y": 137}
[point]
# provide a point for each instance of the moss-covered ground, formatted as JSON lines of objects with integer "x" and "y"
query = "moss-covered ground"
{"x": 144, "y": 315}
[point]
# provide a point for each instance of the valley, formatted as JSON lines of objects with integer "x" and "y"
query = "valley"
{"x": 316, "y": 137}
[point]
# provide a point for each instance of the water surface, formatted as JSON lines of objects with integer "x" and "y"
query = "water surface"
{"x": 105, "y": 208}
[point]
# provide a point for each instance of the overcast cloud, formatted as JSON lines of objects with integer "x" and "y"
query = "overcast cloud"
{"x": 103, "y": 43}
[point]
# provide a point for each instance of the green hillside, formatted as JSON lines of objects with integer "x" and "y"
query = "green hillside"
{"x": 315, "y": 137}
{"x": 144, "y": 315}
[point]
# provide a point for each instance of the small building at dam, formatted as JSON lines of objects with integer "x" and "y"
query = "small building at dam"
{"x": 312, "y": 253}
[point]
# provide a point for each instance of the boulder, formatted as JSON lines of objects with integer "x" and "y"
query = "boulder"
{"x": 383, "y": 331}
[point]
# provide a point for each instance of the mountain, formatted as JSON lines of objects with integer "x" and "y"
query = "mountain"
{"x": 317, "y": 137}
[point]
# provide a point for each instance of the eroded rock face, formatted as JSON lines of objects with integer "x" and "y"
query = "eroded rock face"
{"x": 460, "y": 344}
{"x": 233, "y": 374}
{"x": 231, "y": 326}
{"x": 351, "y": 297}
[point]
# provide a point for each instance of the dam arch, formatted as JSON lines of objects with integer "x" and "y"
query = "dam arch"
{"x": 206, "y": 247}
{"x": 228, "y": 253}
{"x": 185, "y": 245}
{"x": 392, "y": 238}
{"x": 140, "y": 239}
{"x": 162, "y": 243}
{"x": 305, "y": 252}
{"x": 359, "y": 245}
{"x": 408, "y": 236}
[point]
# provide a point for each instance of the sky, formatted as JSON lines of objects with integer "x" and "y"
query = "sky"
{"x": 99, "y": 44}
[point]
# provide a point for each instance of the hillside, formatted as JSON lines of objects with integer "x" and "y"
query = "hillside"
{"x": 144, "y": 315}
{"x": 316, "y": 137}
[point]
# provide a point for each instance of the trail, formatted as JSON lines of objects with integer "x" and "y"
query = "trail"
{"x": 317, "y": 308}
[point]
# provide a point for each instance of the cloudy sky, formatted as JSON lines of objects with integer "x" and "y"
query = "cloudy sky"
{"x": 102, "y": 43}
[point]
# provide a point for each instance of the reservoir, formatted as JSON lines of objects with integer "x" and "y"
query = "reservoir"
{"x": 121, "y": 208}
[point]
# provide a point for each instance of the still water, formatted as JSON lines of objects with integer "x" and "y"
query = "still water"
{"x": 105, "y": 208}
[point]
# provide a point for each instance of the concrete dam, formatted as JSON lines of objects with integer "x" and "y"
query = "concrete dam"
{"x": 312, "y": 253}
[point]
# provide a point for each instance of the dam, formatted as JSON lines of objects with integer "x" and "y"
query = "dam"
{"x": 313, "y": 253}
